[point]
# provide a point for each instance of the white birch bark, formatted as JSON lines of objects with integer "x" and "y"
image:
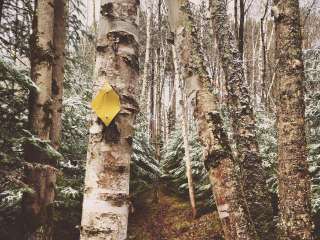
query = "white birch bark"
{"x": 147, "y": 54}
{"x": 37, "y": 204}
{"x": 106, "y": 193}
{"x": 187, "y": 158}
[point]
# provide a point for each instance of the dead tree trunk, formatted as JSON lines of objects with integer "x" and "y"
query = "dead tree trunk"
{"x": 106, "y": 193}
{"x": 252, "y": 174}
{"x": 294, "y": 179}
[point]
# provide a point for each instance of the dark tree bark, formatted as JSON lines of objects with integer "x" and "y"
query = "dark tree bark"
{"x": 241, "y": 27}
{"x": 252, "y": 174}
{"x": 294, "y": 178}
{"x": 264, "y": 57}
{"x": 1, "y": 9}
{"x": 236, "y": 20}
{"x": 59, "y": 40}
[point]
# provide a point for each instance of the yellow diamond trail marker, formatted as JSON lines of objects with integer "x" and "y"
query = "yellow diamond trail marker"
{"x": 106, "y": 104}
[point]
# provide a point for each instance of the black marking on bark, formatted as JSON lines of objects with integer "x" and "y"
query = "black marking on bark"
{"x": 117, "y": 200}
{"x": 107, "y": 10}
{"x": 132, "y": 61}
{"x": 130, "y": 140}
{"x": 91, "y": 232}
{"x": 117, "y": 169}
{"x": 112, "y": 133}
{"x": 47, "y": 109}
{"x": 171, "y": 38}
{"x": 55, "y": 87}
{"x": 102, "y": 49}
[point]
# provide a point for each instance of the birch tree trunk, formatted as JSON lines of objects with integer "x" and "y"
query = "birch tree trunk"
{"x": 147, "y": 53}
{"x": 263, "y": 56}
{"x": 294, "y": 178}
{"x": 37, "y": 203}
{"x": 172, "y": 105}
{"x": 158, "y": 86}
{"x": 59, "y": 40}
{"x": 241, "y": 27}
{"x": 252, "y": 174}
{"x": 106, "y": 193}
{"x": 1, "y": 9}
{"x": 217, "y": 152}
{"x": 185, "y": 133}
{"x": 152, "y": 122}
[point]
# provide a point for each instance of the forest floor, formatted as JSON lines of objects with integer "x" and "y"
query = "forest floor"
{"x": 170, "y": 219}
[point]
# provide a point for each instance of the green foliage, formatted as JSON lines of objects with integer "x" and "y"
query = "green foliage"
{"x": 14, "y": 89}
{"x": 75, "y": 119}
{"x": 145, "y": 169}
{"x": 312, "y": 69}
{"x": 175, "y": 170}
{"x": 267, "y": 139}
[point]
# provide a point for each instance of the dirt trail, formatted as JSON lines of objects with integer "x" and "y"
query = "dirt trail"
{"x": 170, "y": 219}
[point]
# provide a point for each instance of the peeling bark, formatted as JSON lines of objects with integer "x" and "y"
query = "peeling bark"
{"x": 216, "y": 148}
{"x": 41, "y": 68}
{"x": 59, "y": 39}
{"x": 252, "y": 174}
{"x": 106, "y": 194}
{"x": 294, "y": 178}
{"x": 37, "y": 202}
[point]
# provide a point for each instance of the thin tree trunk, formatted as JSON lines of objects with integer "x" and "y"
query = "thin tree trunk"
{"x": 147, "y": 53}
{"x": 185, "y": 133}
{"x": 294, "y": 178}
{"x": 253, "y": 176}
{"x": 106, "y": 193}
{"x": 187, "y": 157}
{"x": 59, "y": 41}
{"x": 152, "y": 122}
{"x": 236, "y": 20}
{"x": 263, "y": 73}
{"x": 1, "y": 9}
{"x": 39, "y": 175}
{"x": 94, "y": 17}
{"x": 217, "y": 152}
{"x": 158, "y": 86}
{"x": 253, "y": 83}
{"x": 241, "y": 27}
{"x": 172, "y": 105}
